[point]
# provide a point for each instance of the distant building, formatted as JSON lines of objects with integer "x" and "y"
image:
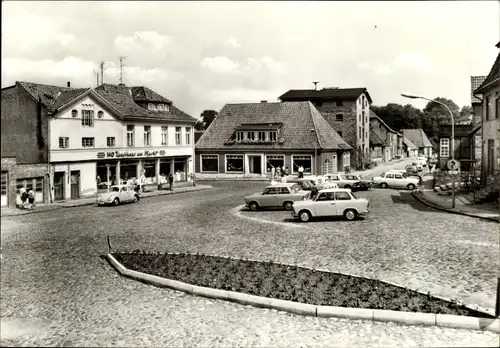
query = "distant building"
{"x": 385, "y": 140}
{"x": 347, "y": 110}
{"x": 419, "y": 138}
{"x": 248, "y": 140}
{"x": 410, "y": 148}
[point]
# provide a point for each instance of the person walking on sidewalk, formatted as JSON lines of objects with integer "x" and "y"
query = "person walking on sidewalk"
{"x": 170, "y": 181}
{"x": 301, "y": 172}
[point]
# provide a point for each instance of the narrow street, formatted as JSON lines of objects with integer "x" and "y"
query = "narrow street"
{"x": 57, "y": 290}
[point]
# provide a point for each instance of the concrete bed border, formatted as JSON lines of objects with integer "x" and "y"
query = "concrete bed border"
{"x": 408, "y": 318}
{"x": 420, "y": 197}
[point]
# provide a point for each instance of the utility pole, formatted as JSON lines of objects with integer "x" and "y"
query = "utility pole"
{"x": 121, "y": 69}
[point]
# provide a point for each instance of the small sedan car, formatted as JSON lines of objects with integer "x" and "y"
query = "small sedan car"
{"x": 118, "y": 194}
{"x": 304, "y": 183}
{"x": 396, "y": 179}
{"x": 360, "y": 184}
{"x": 279, "y": 195}
{"x": 343, "y": 181}
{"x": 331, "y": 202}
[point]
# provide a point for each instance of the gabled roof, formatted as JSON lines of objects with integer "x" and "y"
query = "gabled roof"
{"x": 46, "y": 94}
{"x": 141, "y": 93}
{"x": 298, "y": 118}
{"x": 120, "y": 98}
{"x": 475, "y": 82}
{"x": 66, "y": 97}
{"x": 375, "y": 139}
{"x": 374, "y": 115}
{"x": 417, "y": 137}
{"x": 325, "y": 93}
{"x": 409, "y": 144}
{"x": 493, "y": 76}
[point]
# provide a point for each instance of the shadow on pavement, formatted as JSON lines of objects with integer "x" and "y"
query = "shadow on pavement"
{"x": 407, "y": 198}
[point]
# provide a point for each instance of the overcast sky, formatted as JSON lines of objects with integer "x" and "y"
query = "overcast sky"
{"x": 202, "y": 55}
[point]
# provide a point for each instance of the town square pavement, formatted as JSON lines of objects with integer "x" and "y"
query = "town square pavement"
{"x": 56, "y": 290}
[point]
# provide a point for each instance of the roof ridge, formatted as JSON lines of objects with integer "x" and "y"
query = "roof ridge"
{"x": 309, "y": 104}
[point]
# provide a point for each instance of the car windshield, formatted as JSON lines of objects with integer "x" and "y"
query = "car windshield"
{"x": 352, "y": 194}
{"x": 115, "y": 189}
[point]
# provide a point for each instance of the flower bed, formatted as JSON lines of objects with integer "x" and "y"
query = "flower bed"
{"x": 287, "y": 282}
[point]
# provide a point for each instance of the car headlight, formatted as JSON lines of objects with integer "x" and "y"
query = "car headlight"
{"x": 110, "y": 199}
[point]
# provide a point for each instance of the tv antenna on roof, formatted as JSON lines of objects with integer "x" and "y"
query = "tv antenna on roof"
{"x": 121, "y": 69}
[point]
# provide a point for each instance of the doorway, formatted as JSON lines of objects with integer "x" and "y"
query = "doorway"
{"x": 59, "y": 186}
{"x": 255, "y": 164}
{"x": 75, "y": 184}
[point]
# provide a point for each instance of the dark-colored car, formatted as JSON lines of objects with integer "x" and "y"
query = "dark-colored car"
{"x": 361, "y": 184}
{"x": 304, "y": 183}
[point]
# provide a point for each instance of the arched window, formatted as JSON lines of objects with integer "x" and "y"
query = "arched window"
{"x": 100, "y": 114}
{"x": 74, "y": 113}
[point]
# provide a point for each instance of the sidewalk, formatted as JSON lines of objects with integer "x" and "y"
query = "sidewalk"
{"x": 426, "y": 195}
{"x": 7, "y": 211}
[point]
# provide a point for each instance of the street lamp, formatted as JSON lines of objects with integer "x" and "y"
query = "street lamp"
{"x": 413, "y": 96}
{"x": 312, "y": 132}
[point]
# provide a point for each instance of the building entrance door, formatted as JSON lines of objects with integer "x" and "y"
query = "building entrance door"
{"x": 75, "y": 184}
{"x": 58, "y": 186}
{"x": 255, "y": 164}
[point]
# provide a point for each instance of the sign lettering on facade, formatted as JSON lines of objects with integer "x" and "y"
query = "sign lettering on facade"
{"x": 123, "y": 154}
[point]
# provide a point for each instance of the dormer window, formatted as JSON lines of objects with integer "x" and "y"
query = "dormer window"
{"x": 261, "y": 136}
{"x": 151, "y": 107}
{"x": 161, "y": 107}
{"x": 250, "y": 135}
{"x": 167, "y": 108}
{"x": 239, "y": 136}
{"x": 273, "y": 136}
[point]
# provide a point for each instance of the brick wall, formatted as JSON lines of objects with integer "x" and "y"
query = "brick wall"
{"x": 24, "y": 127}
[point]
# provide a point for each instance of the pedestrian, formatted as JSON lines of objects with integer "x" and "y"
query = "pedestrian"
{"x": 24, "y": 198}
{"x": 301, "y": 171}
{"x": 31, "y": 199}
{"x": 170, "y": 181}
{"x": 143, "y": 182}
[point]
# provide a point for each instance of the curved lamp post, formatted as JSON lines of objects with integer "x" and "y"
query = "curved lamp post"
{"x": 313, "y": 131}
{"x": 413, "y": 96}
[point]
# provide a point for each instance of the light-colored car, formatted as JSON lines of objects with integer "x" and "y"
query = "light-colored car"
{"x": 331, "y": 202}
{"x": 418, "y": 165}
{"x": 422, "y": 160}
{"x": 321, "y": 182}
{"x": 118, "y": 194}
{"x": 278, "y": 195}
{"x": 343, "y": 181}
{"x": 396, "y": 180}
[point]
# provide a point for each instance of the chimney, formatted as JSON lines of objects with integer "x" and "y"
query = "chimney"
{"x": 315, "y": 85}
{"x": 121, "y": 84}
{"x": 263, "y": 101}
{"x": 68, "y": 84}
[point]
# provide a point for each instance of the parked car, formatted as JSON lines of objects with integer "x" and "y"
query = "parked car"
{"x": 321, "y": 182}
{"x": 331, "y": 202}
{"x": 411, "y": 169}
{"x": 305, "y": 184}
{"x": 118, "y": 194}
{"x": 396, "y": 180}
{"x": 360, "y": 183}
{"x": 279, "y": 195}
{"x": 343, "y": 181}
{"x": 422, "y": 160}
{"x": 418, "y": 165}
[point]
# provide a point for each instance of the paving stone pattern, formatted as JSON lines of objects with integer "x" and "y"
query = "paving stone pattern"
{"x": 57, "y": 291}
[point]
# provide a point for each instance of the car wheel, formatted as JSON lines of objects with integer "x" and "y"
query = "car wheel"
{"x": 304, "y": 216}
{"x": 135, "y": 199}
{"x": 116, "y": 202}
{"x": 254, "y": 206}
{"x": 350, "y": 214}
{"x": 288, "y": 205}
{"x": 383, "y": 185}
{"x": 411, "y": 187}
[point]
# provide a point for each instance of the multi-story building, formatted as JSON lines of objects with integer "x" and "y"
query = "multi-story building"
{"x": 248, "y": 140}
{"x": 347, "y": 110}
{"x": 108, "y": 134}
{"x": 490, "y": 93}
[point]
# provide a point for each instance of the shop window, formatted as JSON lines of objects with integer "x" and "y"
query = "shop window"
{"x": 74, "y": 113}
{"x": 165, "y": 167}
{"x": 188, "y": 135}
{"x": 234, "y": 163}
{"x": 128, "y": 170}
{"x": 150, "y": 168}
{"x": 4, "y": 183}
{"x": 304, "y": 161}
{"x": 177, "y": 135}
{"x": 87, "y": 142}
{"x": 88, "y": 118}
{"x": 164, "y": 135}
{"x": 130, "y": 135}
{"x": 147, "y": 135}
{"x": 63, "y": 142}
{"x": 35, "y": 184}
{"x": 210, "y": 163}
{"x": 180, "y": 170}
{"x": 110, "y": 141}
{"x": 339, "y": 117}
{"x": 275, "y": 162}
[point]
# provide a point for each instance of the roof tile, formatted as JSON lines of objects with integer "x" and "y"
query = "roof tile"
{"x": 325, "y": 93}
{"x": 417, "y": 137}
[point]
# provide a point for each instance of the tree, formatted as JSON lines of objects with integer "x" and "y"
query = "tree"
{"x": 207, "y": 117}
{"x": 439, "y": 112}
{"x": 465, "y": 111}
